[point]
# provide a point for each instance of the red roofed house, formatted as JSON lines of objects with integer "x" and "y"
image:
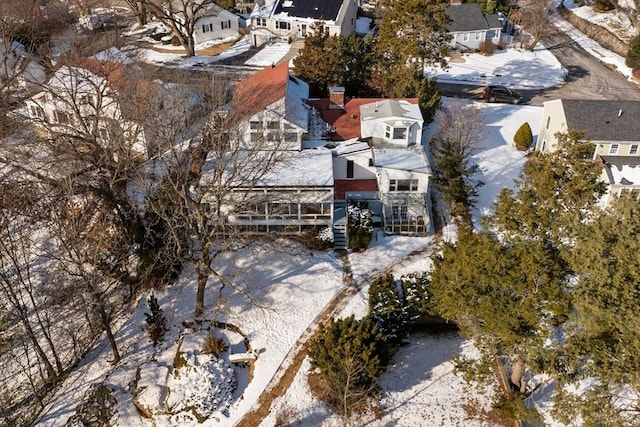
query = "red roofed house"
{"x": 271, "y": 104}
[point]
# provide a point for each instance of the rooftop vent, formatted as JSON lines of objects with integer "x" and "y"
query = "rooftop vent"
{"x": 620, "y": 112}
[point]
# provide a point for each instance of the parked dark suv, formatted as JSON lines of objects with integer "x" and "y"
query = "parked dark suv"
{"x": 501, "y": 94}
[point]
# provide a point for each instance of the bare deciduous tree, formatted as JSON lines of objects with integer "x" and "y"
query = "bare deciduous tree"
{"x": 181, "y": 16}
{"x": 534, "y": 17}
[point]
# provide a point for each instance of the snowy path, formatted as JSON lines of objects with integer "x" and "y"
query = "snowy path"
{"x": 289, "y": 368}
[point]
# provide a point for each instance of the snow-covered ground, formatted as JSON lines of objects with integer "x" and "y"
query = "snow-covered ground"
{"x": 591, "y": 46}
{"x": 516, "y": 68}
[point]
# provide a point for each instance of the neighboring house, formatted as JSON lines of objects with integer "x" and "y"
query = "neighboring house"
{"x": 287, "y": 20}
{"x": 612, "y": 126}
{"x": 94, "y": 98}
{"x": 380, "y": 159}
{"x": 470, "y": 27}
{"x": 19, "y": 69}
{"x": 214, "y": 22}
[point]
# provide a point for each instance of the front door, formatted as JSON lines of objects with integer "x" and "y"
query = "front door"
{"x": 303, "y": 30}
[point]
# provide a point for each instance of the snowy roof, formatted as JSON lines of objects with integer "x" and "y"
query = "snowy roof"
{"x": 307, "y": 168}
{"x": 391, "y": 108}
{"x": 412, "y": 159}
{"x": 351, "y": 146}
{"x": 113, "y": 54}
{"x": 295, "y": 111}
{"x": 622, "y": 170}
{"x": 264, "y": 10}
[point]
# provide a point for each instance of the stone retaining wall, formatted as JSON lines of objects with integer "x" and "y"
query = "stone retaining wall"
{"x": 600, "y": 34}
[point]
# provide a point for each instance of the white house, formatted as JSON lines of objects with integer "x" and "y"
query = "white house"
{"x": 216, "y": 23}
{"x": 271, "y": 105}
{"x": 612, "y": 126}
{"x": 392, "y": 174}
{"x": 286, "y": 20}
{"x": 294, "y": 194}
{"x": 212, "y": 21}
{"x": 470, "y": 27}
{"x": 19, "y": 69}
{"x": 94, "y": 99}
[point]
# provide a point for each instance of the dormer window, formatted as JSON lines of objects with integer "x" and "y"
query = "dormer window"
{"x": 614, "y": 148}
{"x": 397, "y": 133}
{"x": 86, "y": 99}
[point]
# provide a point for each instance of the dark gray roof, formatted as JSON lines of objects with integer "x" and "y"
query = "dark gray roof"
{"x": 467, "y": 17}
{"x": 314, "y": 9}
{"x": 600, "y": 121}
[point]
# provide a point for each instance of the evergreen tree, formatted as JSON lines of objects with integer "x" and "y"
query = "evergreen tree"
{"x": 387, "y": 308}
{"x": 633, "y": 55}
{"x": 334, "y": 61}
{"x": 604, "y": 341}
{"x": 523, "y": 137}
{"x": 555, "y": 195}
{"x": 350, "y": 355}
{"x": 157, "y": 323}
{"x": 417, "y": 297}
{"x": 412, "y": 34}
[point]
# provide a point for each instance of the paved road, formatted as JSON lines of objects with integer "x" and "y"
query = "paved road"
{"x": 588, "y": 78}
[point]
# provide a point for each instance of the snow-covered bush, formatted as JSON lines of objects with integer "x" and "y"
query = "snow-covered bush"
{"x": 360, "y": 225}
{"x": 97, "y": 408}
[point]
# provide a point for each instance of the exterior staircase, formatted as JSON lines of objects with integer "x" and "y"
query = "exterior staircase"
{"x": 340, "y": 225}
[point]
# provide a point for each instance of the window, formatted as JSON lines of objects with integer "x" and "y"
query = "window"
{"x": 399, "y": 133}
{"x": 103, "y": 133}
{"x": 290, "y": 137}
{"x": 349, "y": 168}
{"x": 400, "y": 212}
{"x": 261, "y": 22}
{"x": 283, "y": 25}
{"x": 207, "y": 28}
{"x": 37, "y": 112}
{"x": 225, "y": 24}
{"x": 478, "y": 36}
{"x": 255, "y": 125}
{"x": 86, "y": 99}
{"x": 256, "y": 137}
{"x": 273, "y": 125}
{"x": 465, "y": 37}
{"x": 403, "y": 185}
{"x": 387, "y": 132}
{"x": 548, "y": 121}
{"x": 633, "y": 149}
{"x": 62, "y": 117}
{"x": 614, "y": 148}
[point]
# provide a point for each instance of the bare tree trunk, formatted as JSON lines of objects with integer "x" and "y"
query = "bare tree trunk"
{"x": 106, "y": 325}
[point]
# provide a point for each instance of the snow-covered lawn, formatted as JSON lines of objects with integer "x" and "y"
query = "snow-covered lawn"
{"x": 516, "y": 68}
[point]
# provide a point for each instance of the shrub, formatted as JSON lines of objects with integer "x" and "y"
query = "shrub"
{"x": 97, "y": 408}
{"x": 387, "y": 308}
{"x": 523, "y": 137}
{"x": 157, "y": 324}
{"x": 486, "y": 47}
{"x": 214, "y": 345}
{"x": 350, "y": 354}
{"x": 633, "y": 55}
{"x": 360, "y": 225}
{"x": 603, "y": 5}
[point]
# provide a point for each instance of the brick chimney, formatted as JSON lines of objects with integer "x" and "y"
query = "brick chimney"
{"x": 336, "y": 98}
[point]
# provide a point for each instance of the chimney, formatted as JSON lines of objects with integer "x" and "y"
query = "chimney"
{"x": 336, "y": 98}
